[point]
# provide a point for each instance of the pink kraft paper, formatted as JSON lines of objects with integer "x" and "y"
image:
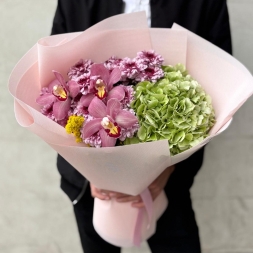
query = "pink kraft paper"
{"x": 127, "y": 169}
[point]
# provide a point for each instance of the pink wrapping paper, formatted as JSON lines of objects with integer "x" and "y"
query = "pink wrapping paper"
{"x": 127, "y": 169}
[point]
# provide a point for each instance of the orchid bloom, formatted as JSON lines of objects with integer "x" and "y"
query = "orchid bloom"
{"x": 108, "y": 121}
{"x": 59, "y": 95}
{"x": 102, "y": 80}
{"x": 102, "y": 85}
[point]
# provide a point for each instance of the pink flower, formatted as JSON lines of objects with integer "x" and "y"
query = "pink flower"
{"x": 102, "y": 80}
{"x": 129, "y": 69}
{"x": 129, "y": 96}
{"x": 150, "y": 74}
{"x": 112, "y": 63}
{"x": 80, "y": 68}
{"x": 94, "y": 140}
{"x": 59, "y": 96}
{"x": 84, "y": 83}
{"x": 130, "y": 131}
{"x": 102, "y": 85}
{"x": 108, "y": 121}
{"x": 149, "y": 58}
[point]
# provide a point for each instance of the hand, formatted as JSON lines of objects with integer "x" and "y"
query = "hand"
{"x": 155, "y": 189}
{"x": 104, "y": 194}
{"x": 97, "y": 193}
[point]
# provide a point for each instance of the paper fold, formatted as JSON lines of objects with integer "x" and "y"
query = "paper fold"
{"x": 128, "y": 169}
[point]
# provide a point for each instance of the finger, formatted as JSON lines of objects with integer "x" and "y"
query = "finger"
{"x": 129, "y": 199}
{"x": 117, "y": 194}
{"x": 155, "y": 193}
{"x": 138, "y": 204}
{"x": 96, "y": 193}
{"x": 106, "y": 193}
{"x": 100, "y": 196}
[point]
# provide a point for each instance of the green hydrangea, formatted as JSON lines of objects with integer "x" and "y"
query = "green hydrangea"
{"x": 175, "y": 108}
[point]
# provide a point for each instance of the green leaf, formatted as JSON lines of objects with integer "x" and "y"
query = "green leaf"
{"x": 151, "y": 120}
{"x": 142, "y": 133}
{"x": 152, "y": 104}
{"x": 140, "y": 109}
{"x": 133, "y": 140}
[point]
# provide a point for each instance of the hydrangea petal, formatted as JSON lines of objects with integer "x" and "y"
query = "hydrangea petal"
{"x": 97, "y": 108}
{"x": 91, "y": 128}
{"x": 174, "y": 108}
{"x": 46, "y": 99}
{"x": 107, "y": 141}
{"x": 125, "y": 119}
{"x": 117, "y": 92}
{"x": 113, "y": 107}
{"x": 61, "y": 108}
{"x": 74, "y": 88}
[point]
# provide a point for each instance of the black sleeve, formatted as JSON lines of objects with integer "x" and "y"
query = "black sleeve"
{"x": 218, "y": 32}
{"x": 217, "y": 24}
{"x": 59, "y": 22}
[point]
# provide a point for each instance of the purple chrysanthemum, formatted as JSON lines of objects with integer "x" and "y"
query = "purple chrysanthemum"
{"x": 150, "y": 74}
{"x": 47, "y": 109}
{"x": 146, "y": 59}
{"x": 94, "y": 140}
{"x": 129, "y": 96}
{"x": 84, "y": 82}
{"x": 129, "y": 132}
{"x": 80, "y": 68}
{"x": 112, "y": 63}
{"x": 129, "y": 69}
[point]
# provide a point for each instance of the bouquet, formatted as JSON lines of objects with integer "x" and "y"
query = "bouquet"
{"x": 128, "y": 168}
{"x": 101, "y": 107}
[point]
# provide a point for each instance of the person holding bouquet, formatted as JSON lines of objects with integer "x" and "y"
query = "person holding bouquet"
{"x": 177, "y": 230}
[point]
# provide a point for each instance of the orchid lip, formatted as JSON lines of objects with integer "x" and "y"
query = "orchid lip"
{"x": 112, "y": 129}
{"x": 100, "y": 87}
{"x": 99, "y": 83}
{"x": 59, "y": 92}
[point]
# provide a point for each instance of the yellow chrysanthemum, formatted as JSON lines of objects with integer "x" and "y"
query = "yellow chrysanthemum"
{"x": 74, "y": 126}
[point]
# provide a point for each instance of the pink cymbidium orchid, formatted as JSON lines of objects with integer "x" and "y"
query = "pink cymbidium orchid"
{"x": 102, "y": 80}
{"x": 108, "y": 121}
{"x": 59, "y": 95}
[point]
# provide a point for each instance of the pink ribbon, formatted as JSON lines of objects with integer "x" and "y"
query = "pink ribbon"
{"x": 148, "y": 203}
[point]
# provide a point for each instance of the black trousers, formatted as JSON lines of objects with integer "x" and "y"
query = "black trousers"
{"x": 177, "y": 231}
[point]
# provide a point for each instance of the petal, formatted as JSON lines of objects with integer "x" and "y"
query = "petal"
{"x": 114, "y": 77}
{"x": 113, "y": 107}
{"x": 91, "y": 87}
{"x": 126, "y": 119}
{"x": 91, "y": 127}
{"x": 61, "y": 108}
{"x": 86, "y": 100}
{"x": 74, "y": 88}
{"x": 46, "y": 99}
{"x": 106, "y": 140}
{"x": 97, "y": 108}
{"x": 60, "y": 78}
{"x": 117, "y": 92}
{"x": 52, "y": 84}
{"x": 100, "y": 70}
